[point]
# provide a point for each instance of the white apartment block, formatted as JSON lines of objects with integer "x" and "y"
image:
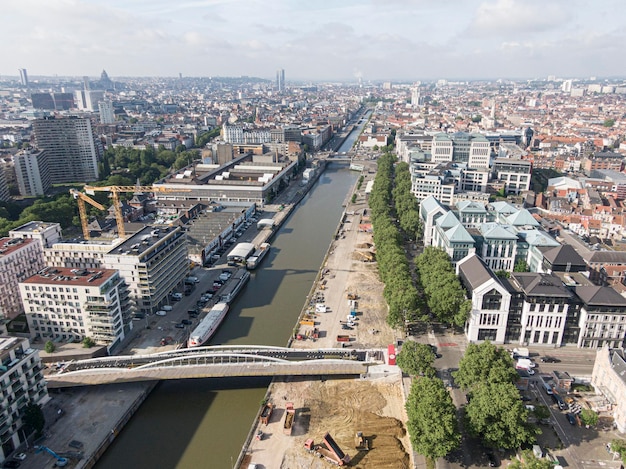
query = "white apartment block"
{"x": 19, "y": 259}
{"x": 71, "y": 304}
{"x": 515, "y": 174}
{"x": 105, "y": 109}
{"x": 22, "y": 383}
{"x": 154, "y": 261}
{"x": 433, "y": 185}
{"x": 32, "y": 173}
{"x": 74, "y": 255}
{"x": 46, "y": 233}
{"x": 472, "y": 149}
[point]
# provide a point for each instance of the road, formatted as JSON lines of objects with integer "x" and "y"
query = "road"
{"x": 583, "y": 448}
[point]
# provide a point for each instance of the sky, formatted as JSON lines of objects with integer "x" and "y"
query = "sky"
{"x": 390, "y": 40}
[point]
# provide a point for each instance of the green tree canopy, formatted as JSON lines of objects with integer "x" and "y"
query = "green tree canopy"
{"x": 497, "y": 415}
{"x": 416, "y": 359}
{"x": 530, "y": 461}
{"x": 432, "y": 422}
{"x": 34, "y": 418}
{"x": 485, "y": 363}
{"x": 49, "y": 347}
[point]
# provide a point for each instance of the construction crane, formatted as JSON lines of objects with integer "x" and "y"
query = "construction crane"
{"x": 115, "y": 191}
{"x": 82, "y": 210}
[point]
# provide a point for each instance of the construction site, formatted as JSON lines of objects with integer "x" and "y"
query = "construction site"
{"x": 344, "y": 422}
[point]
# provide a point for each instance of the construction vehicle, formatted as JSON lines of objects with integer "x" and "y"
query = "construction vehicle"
{"x": 61, "y": 461}
{"x": 82, "y": 209}
{"x": 290, "y": 416}
{"x": 360, "y": 442}
{"x": 115, "y": 191}
{"x": 328, "y": 449}
{"x": 266, "y": 413}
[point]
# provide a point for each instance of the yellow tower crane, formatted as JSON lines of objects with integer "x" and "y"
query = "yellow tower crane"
{"x": 115, "y": 191}
{"x": 82, "y": 210}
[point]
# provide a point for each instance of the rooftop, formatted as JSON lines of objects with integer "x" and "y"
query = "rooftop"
{"x": 9, "y": 245}
{"x": 67, "y": 276}
{"x": 143, "y": 240}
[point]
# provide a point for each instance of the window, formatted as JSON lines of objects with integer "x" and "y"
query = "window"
{"x": 492, "y": 300}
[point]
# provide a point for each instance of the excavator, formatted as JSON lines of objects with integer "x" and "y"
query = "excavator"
{"x": 61, "y": 461}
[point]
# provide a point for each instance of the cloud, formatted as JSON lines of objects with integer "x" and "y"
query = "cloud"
{"x": 514, "y": 17}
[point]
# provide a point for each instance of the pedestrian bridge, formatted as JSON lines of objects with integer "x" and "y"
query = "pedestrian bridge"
{"x": 214, "y": 362}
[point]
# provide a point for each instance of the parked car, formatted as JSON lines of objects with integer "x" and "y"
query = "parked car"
{"x": 186, "y": 322}
{"x": 160, "y": 313}
{"x": 571, "y": 418}
{"x": 20, "y": 456}
{"x": 167, "y": 308}
{"x": 176, "y": 296}
{"x": 549, "y": 360}
{"x": 11, "y": 463}
{"x": 179, "y": 326}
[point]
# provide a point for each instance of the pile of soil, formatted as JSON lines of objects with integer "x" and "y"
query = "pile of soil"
{"x": 343, "y": 408}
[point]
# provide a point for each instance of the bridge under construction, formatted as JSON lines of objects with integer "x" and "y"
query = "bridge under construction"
{"x": 214, "y": 362}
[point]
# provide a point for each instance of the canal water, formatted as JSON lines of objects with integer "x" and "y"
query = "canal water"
{"x": 203, "y": 423}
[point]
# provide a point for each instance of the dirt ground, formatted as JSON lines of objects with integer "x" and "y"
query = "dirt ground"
{"x": 341, "y": 407}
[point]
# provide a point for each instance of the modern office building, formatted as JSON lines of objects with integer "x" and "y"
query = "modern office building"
{"x": 71, "y": 304}
{"x": 473, "y": 149}
{"x": 53, "y": 101}
{"x": 71, "y": 147}
{"x": 19, "y": 259}
{"x": 280, "y": 80}
{"x": 22, "y": 384}
{"x": 515, "y": 174}
{"x": 32, "y": 171}
{"x": 105, "y": 108}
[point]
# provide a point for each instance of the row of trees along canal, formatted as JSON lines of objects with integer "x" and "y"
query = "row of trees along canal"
{"x": 434, "y": 292}
{"x": 120, "y": 166}
{"x": 495, "y": 413}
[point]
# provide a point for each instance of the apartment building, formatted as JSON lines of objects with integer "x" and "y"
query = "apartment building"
{"x": 32, "y": 171}
{"x": 46, "y": 233}
{"x": 71, "y": 147}
{"x": 71, "y": 304}
{"x": 22, "y": 383}
{"x": 473, "y": 149}
{"x": 602, "y": 317}
{"x": 19, "y": 259}
{"x": 154, "y": 261}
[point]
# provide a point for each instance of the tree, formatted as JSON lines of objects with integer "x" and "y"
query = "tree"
{"x": 416, "y": 359}
{"x": 609, "y": 122}
{"x": 88, "y": 342}
{"x": 432, "y": 423}
{"x": 497, "y": 415}
{"x": 49, "y": 347}
{"x": 34, "y": 418}
{"x": 485, "y": 363}
{"x": 619, "y": 446}
{"x": 521, "y": 266}
{"x": 530, "y": 461}
{"x": 589, "y": 417}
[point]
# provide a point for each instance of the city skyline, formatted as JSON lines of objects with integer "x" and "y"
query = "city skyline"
{"x": 394, "y": 40}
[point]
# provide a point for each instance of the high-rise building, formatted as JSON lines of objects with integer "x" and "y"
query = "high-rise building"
{"x": 32, "y": 172}
{"x": 22, "y": 384}
{"x": 19, "y": 259}
{"x": 23, "y": 77}
{"x": 5, "y": 195}
{"x": 280, "y": 80}
{"x": 71, "y": 148}
{"x": 105, "y": 108}
{"x": 473, "y": 149}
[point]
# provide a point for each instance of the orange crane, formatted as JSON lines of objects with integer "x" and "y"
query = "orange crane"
{"x": 82, "y": 210}
{"x": 115, "y": 191}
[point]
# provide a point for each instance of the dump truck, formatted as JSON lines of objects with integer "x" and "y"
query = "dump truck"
{"x": 290, "y": 416}
{"x": 343, "y": 338}
{"x": 328, "y": 449}
{"x": 266, "y": 413}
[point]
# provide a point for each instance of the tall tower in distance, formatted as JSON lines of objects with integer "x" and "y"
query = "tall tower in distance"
{"x": 23, "y": 77}
{"x": 280, "y": 80}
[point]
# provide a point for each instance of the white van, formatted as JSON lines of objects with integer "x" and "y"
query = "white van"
{"x": 167, "y": 308}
